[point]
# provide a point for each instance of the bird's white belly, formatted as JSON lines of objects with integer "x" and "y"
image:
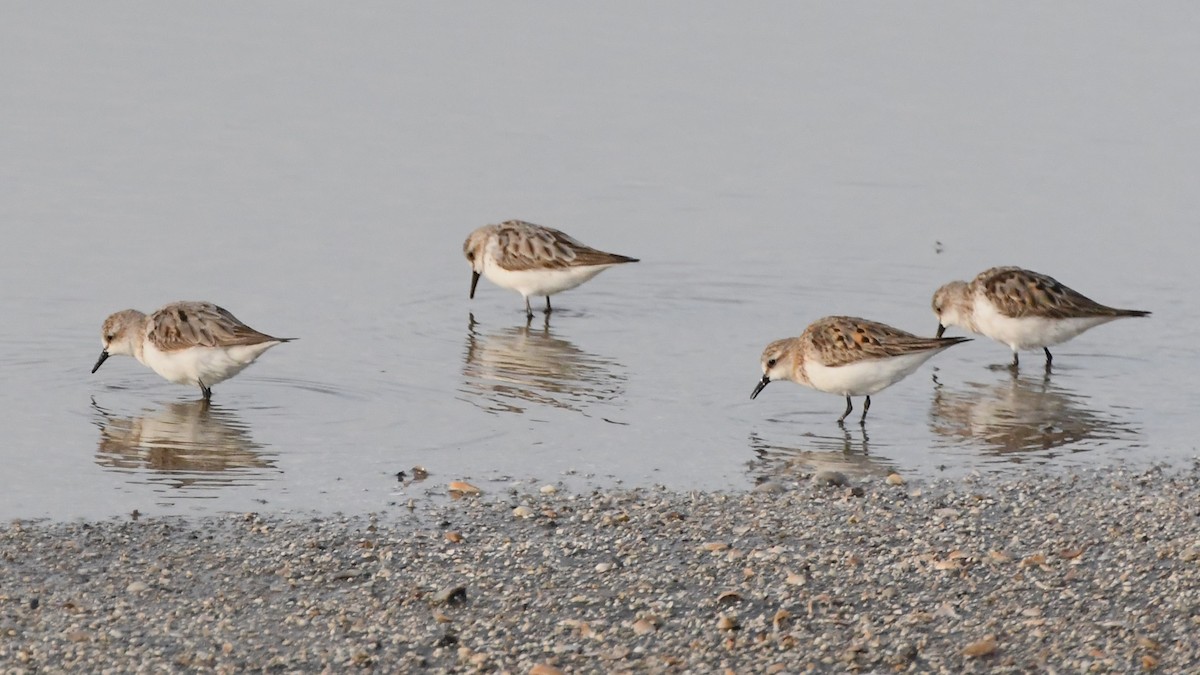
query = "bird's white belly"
{"x": 208, "y": 365}
{"x": 864, "y": 377}
{"x": 543, "y": 281}
{"x": 1029, "y": 332}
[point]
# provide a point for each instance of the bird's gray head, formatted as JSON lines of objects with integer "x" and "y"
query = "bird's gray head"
{"x": 120, "y": 335}
{"x": 474, "y": 249}
{"x": 952, "y": 305}
{"x": 778, "y": 361}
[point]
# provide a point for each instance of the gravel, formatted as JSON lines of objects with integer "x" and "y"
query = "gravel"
{"x": 1095, "y": 571}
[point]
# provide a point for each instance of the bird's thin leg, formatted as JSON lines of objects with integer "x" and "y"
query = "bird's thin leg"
{"x": 548, "y": 310}
{"x": 1049, "y": 357}
{"x": 528, "y": 309}
{"x": 849, "y": 408}
{"x": 206, "y": 391}
{"x": 866, "y": 407}
{"x": 1016, "y": 361}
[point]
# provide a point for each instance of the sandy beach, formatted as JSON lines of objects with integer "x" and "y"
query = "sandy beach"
{"x": 1094, "y": 571}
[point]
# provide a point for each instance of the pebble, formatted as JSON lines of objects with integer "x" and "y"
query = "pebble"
{"x": 643, "y": 627}
{"x": 980, "y": 648}
{"x": 768, "y": 487}
{"x": 1088, "y": 571}
{"x": 1191, "y": 553}
{"x": 830, "y": 477}
{"x": 463, "y": 488}
{"x": 450, "y": 595}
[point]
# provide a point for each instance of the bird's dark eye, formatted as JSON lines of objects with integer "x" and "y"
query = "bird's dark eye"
{"x": 109, "y": 338}
{"x": 770, "y": 363}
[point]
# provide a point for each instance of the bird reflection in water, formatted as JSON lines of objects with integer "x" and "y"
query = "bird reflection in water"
{"x": 1023, "y": 414}
{"x": 189, "y": 446}
{"x": 848, "y": 453}
{"x": 513, "y": 369}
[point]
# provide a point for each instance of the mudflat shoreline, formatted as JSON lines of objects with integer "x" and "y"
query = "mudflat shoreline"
{"x": 1091, "y": 571}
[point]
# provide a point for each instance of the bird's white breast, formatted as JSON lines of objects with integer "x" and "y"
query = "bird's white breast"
{"x": 864, "y": 378}
{"x": 1029, "y": 332}
{"x": 547, "y": 281}
{"x": 209, "y": 365}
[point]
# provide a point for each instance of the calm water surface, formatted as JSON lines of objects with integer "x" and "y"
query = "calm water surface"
{"x": 315, "y": 169}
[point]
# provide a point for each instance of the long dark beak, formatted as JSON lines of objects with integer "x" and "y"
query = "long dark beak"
{"x": 100, "y": 361}
{"x": 761, "y": 383}
{"x": 941, "y": 329}
{"x": 474, "y": 281}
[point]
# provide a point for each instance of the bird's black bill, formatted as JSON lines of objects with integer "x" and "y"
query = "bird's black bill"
{"x": 474, "y": 281}
{"x": 761, "y": 383}
{"x": 941, "y": 329}
{"x": 100, "y": 361}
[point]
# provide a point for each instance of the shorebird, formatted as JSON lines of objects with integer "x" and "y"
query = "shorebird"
{"x": 1022, "y": 309}
{"x": 848, "y": 356}
{"x": 533, "y": 259}
{"x": 185, "y": 342}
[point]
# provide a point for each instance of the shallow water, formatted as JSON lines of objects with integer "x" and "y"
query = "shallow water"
{"x": 315, "y": 171}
